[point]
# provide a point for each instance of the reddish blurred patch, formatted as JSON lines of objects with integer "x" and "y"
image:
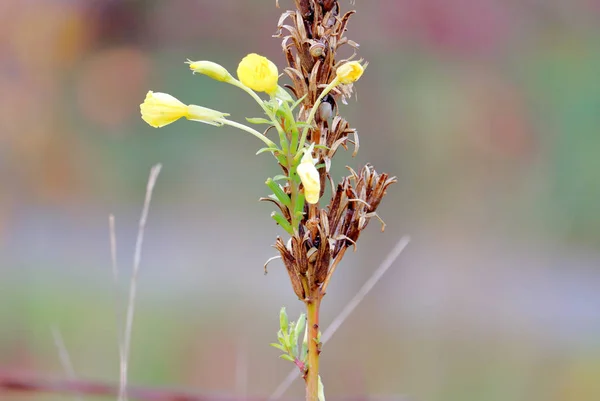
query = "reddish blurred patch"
{"x": 456, "y": 26}
{"x": 110, "y": 84}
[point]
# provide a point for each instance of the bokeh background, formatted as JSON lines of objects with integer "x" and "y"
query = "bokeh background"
{"x": 488, "y": 112}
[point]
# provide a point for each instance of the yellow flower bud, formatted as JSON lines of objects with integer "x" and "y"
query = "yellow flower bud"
{"x": 213, "y": 70}
{"x": 349, "y": 72}
{"x": 160, "y": 109}
{"x": 309, "y": 177}
{"x": 258, "y": 73}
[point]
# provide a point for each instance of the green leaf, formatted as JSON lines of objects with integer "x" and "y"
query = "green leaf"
{"x": 282, "y": 159}
{"x": 282, "y": 94}
{"x": 280, "y": 177}
{"x": 304, "y": 349}
{"x": 287, "y": 357}
{"x": 283, "y": 339}
{"x": 321, "y": 390}
{"x": 263, "y": 150}
{"x": 278, "y": 192}
{"x": 278, "y": 346}
{"x": 299, "y": 206}
{"x": 282, "y": 222}
{"x": 284, "y": 322}
{"x": 298, "y": 101}
{"x": 299, "y": 332}
{"x": 300, "y": 325}
{"x": 259, "y": 120}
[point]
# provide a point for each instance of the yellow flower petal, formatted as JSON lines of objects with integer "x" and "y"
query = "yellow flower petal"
{"x": 310, "y": 177}
{"x": 258, "y": 73}
{"x": 349, "y": 72}
{"x": 160, "y": 109}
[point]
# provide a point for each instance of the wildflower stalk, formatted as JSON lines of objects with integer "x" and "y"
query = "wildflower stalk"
{"x": 313, "y": 306}
{"x": 319, "y": 236}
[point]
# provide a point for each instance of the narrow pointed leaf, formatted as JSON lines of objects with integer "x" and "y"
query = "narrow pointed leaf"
{"x": 287, "y": 357}
{"x": 267, "y": 149}
{"x": 282, "y": 94}
{"x": 298, "y": 102}
{"x": 280, "y": 177}
{"x": 283, "y": 320}
{"x": 300, "y": 326}
{"x": 278, "y": 192}
{"x": 299, "y": 206}
{"x": 278, "y": 346}
{"x": 259, "y": 120}
{"x": 321, "y": 390}
{"x": 298, "y": 332}
{"x": 282, "y": 222}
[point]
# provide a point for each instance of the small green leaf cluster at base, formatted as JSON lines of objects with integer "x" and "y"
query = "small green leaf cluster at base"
{"x": 290, "y": 336}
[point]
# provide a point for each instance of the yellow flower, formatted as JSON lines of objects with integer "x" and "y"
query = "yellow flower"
{"x": 160, "y": 109}
{"x": 258, "y": 73}
{"x": 213, "y": 70}
{"x": 309, "y": 177}
{"x": 349, "y": 72}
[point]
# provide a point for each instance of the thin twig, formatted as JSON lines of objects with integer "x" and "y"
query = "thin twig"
{"x": 117, "y": 295}
{"x": 348, "y": 309}
{"x": 63, "y": 355}
{"x": 137, "y": 257}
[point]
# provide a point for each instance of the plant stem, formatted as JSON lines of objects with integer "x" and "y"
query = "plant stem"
{"x": 260, "y": 102}
{"x": 249, "y": 130}
{"x": 313, "y": 305}
{"x": 293, "y": 189}
{"x": 313, "y": 112}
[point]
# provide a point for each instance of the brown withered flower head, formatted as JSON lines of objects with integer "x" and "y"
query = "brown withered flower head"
{"x": 311, "y": 36}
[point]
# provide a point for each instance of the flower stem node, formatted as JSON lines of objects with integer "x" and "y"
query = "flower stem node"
{"x": 349, "y": 72}
{"x": 309, "y": 176}
{"x": 160, "y": 109}
{"x": 210, "y": 69}
{"x": 258, "y": 73}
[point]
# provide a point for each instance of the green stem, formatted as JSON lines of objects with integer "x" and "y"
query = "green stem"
{"x": 252, "y": 131}
{"x": 290, "y": 124}
{"x": 312, "y": 376}
{"x": 313, "y": 112}
{"x": 293, "y": 191}
{"x": 261, "y": 103}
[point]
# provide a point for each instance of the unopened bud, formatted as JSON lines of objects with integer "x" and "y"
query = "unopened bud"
{"x": 213, "y": 70}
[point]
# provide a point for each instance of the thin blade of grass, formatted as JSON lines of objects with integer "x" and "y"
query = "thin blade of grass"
{"x": 137, "y": 258}
{"x": 63, "y": 355}
{"x": 115, "y": 273}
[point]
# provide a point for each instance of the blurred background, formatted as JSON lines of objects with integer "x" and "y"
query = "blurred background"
{"x": 487, "y": 111}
